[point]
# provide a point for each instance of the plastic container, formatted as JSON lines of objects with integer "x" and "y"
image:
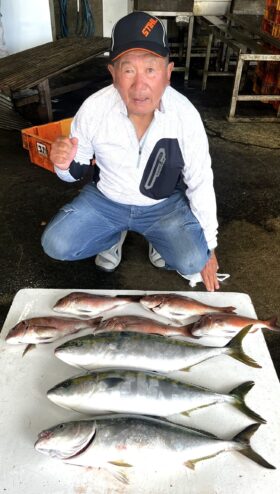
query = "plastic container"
{"x": 271, "y": 28}
{"x": 38, "y": 140}
{"x": 273, "y": 3}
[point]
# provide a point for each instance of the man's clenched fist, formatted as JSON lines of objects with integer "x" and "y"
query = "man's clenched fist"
{"x": 63, "y": 151}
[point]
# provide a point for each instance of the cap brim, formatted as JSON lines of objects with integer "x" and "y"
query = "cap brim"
{"x": 149, "y": 47}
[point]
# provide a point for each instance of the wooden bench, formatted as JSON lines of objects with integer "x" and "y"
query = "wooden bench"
{"x": 25, "y": 75}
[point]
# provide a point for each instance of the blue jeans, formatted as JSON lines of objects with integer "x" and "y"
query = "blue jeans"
{"x": 92, "y": 223}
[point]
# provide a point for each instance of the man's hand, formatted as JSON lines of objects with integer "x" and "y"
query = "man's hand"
{"x": 209, "y": 274}
{"x": 63, "y": 151}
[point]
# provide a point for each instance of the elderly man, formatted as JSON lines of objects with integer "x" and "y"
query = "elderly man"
{"x": 155, "y": 171}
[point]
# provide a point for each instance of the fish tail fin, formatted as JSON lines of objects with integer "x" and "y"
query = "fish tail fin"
{"x": 244, "y": 439}
{"x": 187, "y": 330}
{"x": 239, "y": 394}
{"x": 94, "y": 323}
{"x": 228, "y": 309}
{"x": 235, "y": 349}
{"x": 272, "y": 324}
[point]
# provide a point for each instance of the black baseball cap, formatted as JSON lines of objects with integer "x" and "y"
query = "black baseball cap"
{"x": 139, "y": 31}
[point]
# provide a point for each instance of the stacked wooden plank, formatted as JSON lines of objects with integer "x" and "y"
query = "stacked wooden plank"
{"x": 28, "y": 68}
{"x": 9, "y": 118}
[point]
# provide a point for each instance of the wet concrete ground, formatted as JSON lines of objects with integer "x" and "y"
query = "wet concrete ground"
{"x": 246, "y": 163}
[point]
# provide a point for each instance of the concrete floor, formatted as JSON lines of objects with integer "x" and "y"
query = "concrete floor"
{"x": 246, "y": 163}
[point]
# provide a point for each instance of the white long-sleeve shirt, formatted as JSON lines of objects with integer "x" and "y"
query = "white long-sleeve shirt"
{"x": 103, "y": 129}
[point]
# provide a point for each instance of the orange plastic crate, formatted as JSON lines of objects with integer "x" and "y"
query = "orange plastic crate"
{"x": 273, "y": 3}
{"x": 277, "y": 17}
{"x": 38, "y": 140}
{"x": 271, "y": 28}
{"x": 270, "y": 13}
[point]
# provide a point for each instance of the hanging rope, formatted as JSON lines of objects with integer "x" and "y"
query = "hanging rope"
{"x": 84, "y": 20}
{"x": 63, "y": 18}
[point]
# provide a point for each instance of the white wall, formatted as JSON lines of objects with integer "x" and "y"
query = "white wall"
{"x": 26, "y": 23}
{"x": 113, "y": 10}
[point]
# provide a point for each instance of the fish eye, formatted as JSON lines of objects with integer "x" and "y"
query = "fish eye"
{"x": 67, "y": 383}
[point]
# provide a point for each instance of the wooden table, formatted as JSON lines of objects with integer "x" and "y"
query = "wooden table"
{"x": 25, "y": 76}
{"x": 243, "y": 35}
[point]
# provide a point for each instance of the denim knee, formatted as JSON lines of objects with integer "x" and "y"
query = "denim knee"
{"x": 55, "y": 247}
{"x": 192, "y": 262}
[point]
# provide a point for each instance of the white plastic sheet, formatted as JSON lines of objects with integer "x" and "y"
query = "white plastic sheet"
{"x": 25, "y": 411}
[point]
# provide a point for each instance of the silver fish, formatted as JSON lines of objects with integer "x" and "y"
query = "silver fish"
{"x": 125, "y": 441}
{"x": 82, "y": 303}
{"x": 144, "y": 352}
{"x": 142, "y": 325}
{"x": 47, "y": 329}
{"x": 178, "y": 307}
{"x": 142, "y": 393}
{"x": 227, "y": 325}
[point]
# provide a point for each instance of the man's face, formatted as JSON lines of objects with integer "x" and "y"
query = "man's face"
{"x": 141, "y": 79}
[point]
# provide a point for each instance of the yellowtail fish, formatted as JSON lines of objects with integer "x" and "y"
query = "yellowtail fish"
{"x": 143, "y": 393}
{"x": 129, "y": 441}
{"x": 178, "y": 307}
{"x": 144, "y": 352}
{"x": 82, "y": 303}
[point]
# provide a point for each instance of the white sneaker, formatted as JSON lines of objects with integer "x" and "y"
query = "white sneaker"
{"x": 108, "y": 260}
{"x": 155, "y": 257}
{"x": 193, "y": 279}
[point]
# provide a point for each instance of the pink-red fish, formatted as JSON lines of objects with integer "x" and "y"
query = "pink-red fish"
{"x": 178, "y": 307}
{"x": 82, "y": 303}
{"x": 142, "y": 325}
{"x": 47, "y": 329}
{"x": 229, "y": 324}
